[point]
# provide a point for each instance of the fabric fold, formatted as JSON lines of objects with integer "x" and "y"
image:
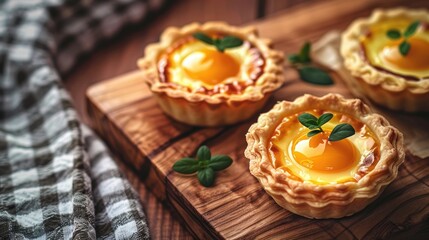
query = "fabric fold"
{"x": 57, "y": 180}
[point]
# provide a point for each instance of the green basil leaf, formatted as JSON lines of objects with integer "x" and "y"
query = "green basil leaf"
{"x": 186, "y": 166}
{"x": 308, "y": 120}
{"x": 324, "y": 118}
{"x": 313, "y": 132}
{"x": 305, "y": 53}
{"x": 203, "y": 38}
{"x": 341, "y": 131}
{"x": 220, "y": 48}
{"x": 294, "y": 58}
{"x": 206, "y": 176}
{"x": 203, "y": 153}
{"x": 404, "y": 48}
{"x": 314, "y": 75}
{"x": 203, "y": 163}
{"x": 393, "y": 34}
{"x": 218, "y": 45}
{"x": 220, "y": 162}
{"x": 230, "y": 42}
{"x": 216, "y": 41}
{"x": 411, "y": 29}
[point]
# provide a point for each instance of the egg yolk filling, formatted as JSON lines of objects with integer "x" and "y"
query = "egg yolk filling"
{"x": 210, "y": 66}
{"x": 383, "y": 52}
{"x": 319, "y": 154}
{"x": 317, "y": 160}
{"x": 197, "y": 67}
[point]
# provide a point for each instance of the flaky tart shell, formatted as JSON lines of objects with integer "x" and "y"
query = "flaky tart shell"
{"x": 219, "y": 109}
{"x": 392, "y": 91}
{"x": 331, "y": 200}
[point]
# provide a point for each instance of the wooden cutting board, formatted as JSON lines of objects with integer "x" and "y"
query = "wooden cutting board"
{"x": 124, "y": 113}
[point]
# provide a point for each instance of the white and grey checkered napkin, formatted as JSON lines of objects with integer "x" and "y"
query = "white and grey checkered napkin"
{"x": 56, "y": 179}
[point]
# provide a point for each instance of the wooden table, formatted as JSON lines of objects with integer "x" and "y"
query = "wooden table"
{"x": 288, "y": 29}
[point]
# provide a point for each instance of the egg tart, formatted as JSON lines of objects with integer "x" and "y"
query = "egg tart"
{"x": 388, "y": 55}
{"x": 199, "y": 84}
{"x": 316, "y": 177}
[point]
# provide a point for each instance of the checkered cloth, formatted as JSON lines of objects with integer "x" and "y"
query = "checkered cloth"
{"x": 57, "y": 180}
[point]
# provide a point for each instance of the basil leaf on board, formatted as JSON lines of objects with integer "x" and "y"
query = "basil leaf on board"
{"x": 204, "y": 165}
{"x": 294, "y": 58}
{"x": 305, "y": 53}
{"x": 220, "y": 162}
{"x": 307, "y": 72}
{"x": 341, "y": 131}
{"x": 186, "y": 166}
{"x": 203, "y": 153}
{"x": 206, "y": 176}
{"x": 314, "y": 75}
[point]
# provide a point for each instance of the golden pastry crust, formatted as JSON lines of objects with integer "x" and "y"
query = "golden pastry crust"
{"x": 221, "y": 108}
{"x": 330, "y": 200}
{"x": 392, "y": 91}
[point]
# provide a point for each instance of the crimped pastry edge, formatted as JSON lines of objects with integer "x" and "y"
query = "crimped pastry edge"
{"x": 271, "y": 79}
{"x": 331, "y": 200}
{"x": 351, "y": 52}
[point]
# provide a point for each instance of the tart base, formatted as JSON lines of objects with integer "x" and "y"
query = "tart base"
{"x": 208, "y": 115}
{"x": 324, "y": 212}
{"x": 400, "y": 101}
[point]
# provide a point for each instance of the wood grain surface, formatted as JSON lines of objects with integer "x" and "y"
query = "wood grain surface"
{"x": 119, "y": 55}
{"x": 125, "y": 114}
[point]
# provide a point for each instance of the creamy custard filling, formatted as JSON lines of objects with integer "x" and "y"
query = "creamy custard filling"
{"x": 317, "y": 160}
{"x": 198, "y": 67}
{"x": 383, "y": 53}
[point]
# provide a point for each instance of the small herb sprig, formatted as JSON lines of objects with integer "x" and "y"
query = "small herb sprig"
{"x": 404, "y": 46}
{"x": 308, "y": 71}
{"x": 204, "y": 165}
{"x": 220, "y": 43}
{"x": 341, "y": 131}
